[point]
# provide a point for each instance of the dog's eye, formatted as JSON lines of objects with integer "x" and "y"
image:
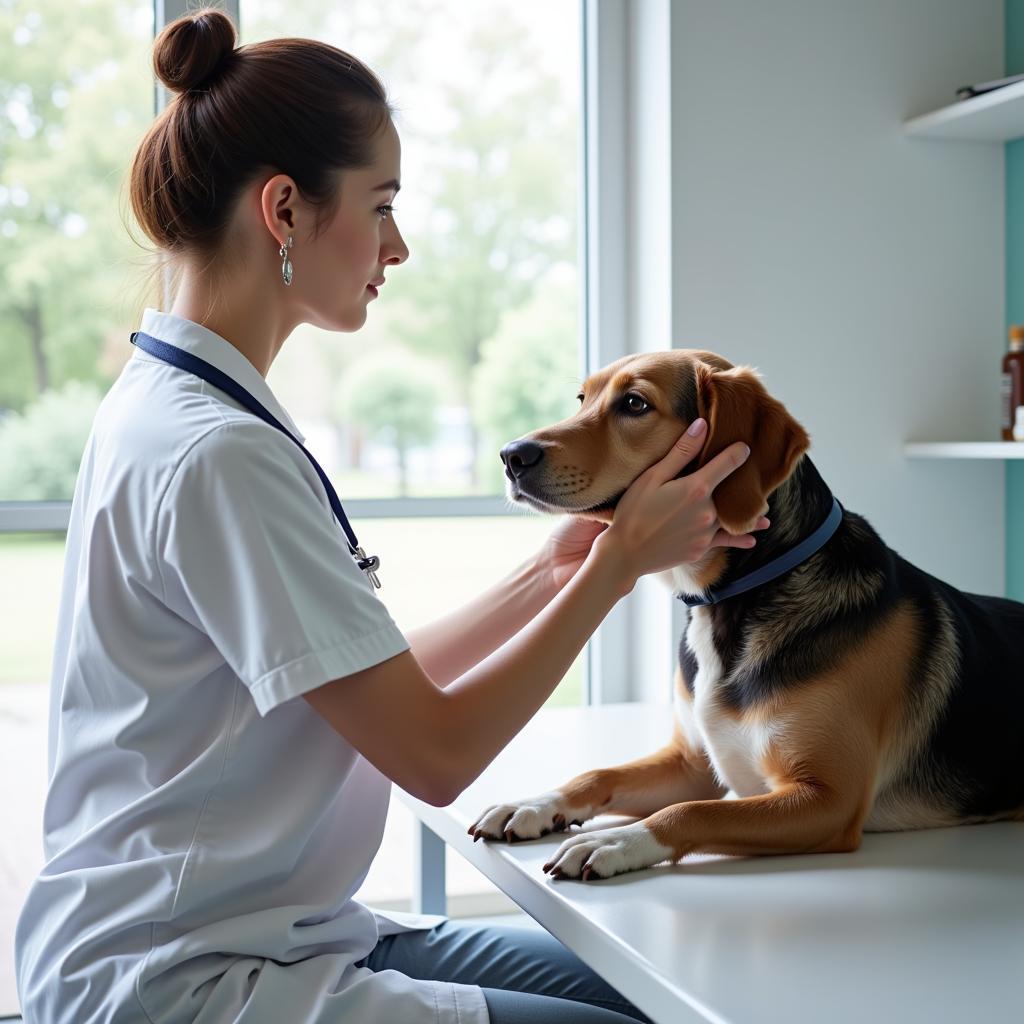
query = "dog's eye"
{"x": 635, "y": 405}
{"x": 580, "y": 397}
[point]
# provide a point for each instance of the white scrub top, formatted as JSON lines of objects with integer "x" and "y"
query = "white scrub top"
{"x": 204, "y": 829}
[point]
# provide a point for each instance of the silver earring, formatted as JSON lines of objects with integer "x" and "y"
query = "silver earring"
{"x": 286, "y": 264}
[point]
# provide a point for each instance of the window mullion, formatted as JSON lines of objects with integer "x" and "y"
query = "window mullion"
{"x": 605, "y": 266}
{"x": 629, "y": 295}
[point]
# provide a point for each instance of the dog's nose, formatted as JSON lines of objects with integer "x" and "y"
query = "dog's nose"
{"x": 519, "y": 456}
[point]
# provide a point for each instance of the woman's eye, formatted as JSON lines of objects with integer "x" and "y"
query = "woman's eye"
{"x": 635, "y": 405}
{"x": 385, "y": 211}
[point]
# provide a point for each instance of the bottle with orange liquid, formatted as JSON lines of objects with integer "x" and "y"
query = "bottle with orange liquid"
{"x": 1013, "y": 380}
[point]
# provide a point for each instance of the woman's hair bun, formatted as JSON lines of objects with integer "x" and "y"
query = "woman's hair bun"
{"x": 193, "y": 49}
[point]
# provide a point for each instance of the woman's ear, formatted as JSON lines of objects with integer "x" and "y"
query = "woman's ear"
{"x": 738, "y": 408}
{"x": 278, "y": 200}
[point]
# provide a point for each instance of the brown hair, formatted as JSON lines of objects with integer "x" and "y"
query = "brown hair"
{"x": 294, "y": 106}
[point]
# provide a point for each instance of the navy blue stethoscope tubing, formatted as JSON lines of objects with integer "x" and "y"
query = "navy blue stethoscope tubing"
{"x": 206, "y": 371}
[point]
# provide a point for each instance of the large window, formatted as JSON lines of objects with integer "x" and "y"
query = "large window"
{"x": 477, "y": 338}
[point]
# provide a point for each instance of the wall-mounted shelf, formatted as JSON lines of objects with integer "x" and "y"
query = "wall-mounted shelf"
{"x": 964, "y": 450}
{"x": 996, "y": 116}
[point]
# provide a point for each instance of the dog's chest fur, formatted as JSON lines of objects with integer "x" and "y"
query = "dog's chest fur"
{"x": 735, "y": 747}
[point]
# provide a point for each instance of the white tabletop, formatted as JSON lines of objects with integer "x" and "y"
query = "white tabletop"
{"x": 913, "y": 927}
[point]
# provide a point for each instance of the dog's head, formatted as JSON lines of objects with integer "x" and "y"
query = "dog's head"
{"x": 630, "y": 414}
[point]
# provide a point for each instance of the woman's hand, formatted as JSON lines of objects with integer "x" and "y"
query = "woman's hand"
{"x": 567, "y": 547}
{"x": 662, "y": 521}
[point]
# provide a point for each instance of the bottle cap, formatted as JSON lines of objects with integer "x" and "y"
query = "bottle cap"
{"x": 1016, "y": 332}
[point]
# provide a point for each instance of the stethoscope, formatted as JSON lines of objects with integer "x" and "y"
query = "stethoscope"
{"x": 201, "y": 368}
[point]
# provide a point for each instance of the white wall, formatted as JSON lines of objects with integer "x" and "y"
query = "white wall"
{"x": 861, "y": 271}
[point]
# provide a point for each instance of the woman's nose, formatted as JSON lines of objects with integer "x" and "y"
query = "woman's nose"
{"x": 394, "y": 251}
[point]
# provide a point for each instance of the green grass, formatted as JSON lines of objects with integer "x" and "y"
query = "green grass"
{"x": 428, "y": 566}
{"x": 356, "y": 484}
{"x": 30, "y": 572}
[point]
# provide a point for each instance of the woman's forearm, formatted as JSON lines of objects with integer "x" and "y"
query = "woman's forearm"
{"x": 453, "y": 644}
{"x": 508, "y": 649}
{"x": 434, "y": 741}
{"x": 490, "y": 703}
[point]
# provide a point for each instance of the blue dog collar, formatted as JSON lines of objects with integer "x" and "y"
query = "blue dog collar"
{"x": 777, "y": 566}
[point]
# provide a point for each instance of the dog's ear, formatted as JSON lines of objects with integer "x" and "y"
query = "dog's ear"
{"x": 738, "y": 408}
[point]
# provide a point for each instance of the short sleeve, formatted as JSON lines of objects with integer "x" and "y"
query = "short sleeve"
{"x": 250, "y": 553}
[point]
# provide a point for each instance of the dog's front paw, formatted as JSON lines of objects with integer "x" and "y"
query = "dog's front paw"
{"x": 526, "y": 819}
{"x": 608, "y": 852}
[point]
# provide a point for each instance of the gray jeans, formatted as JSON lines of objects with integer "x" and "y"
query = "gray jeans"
{"x": 527, "y": 976}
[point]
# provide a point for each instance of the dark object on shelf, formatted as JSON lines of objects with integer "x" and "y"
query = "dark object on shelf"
{"x": 1012, "y": 389}
{"x": 967, "y": 91}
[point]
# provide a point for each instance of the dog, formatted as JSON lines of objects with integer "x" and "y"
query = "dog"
{"x": 849, "y": 692}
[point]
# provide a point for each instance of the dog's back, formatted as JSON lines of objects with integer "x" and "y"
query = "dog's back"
{"x": 975, "y": 755}
{"x": 942, "y": 665}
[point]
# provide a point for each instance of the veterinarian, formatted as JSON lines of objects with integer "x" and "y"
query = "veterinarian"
{"x": 230, "y": 699}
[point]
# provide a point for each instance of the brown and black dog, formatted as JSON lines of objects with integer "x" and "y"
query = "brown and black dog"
{"x": 852, "y": 693}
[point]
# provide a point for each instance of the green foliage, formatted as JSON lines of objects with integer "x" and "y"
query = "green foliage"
{"x": 40, "y": 449}
{"x": 503, "y": 198}
{"x": 528, "y": 374}
{"x": 76, "y": 86}
{"x": 394, "y": 394}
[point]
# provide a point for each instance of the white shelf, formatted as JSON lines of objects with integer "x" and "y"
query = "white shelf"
{"x": 964, "y": 450}
{"x": 996, "y": 116}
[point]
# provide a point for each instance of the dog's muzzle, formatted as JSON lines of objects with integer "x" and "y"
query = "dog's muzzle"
{"x": 520, "y": 457}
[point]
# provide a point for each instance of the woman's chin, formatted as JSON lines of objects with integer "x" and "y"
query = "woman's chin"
{"x": 346, "y": 321}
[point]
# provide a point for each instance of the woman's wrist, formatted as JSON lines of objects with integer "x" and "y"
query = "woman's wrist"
{"x": 614, "y": 563}
{"x": 542, "y": 574}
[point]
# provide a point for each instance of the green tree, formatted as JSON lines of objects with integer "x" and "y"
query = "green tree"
{"x": 503, "y": 198}
{"x": 77, "y": 90}
{"x": 393, "y": 394}
{"x": 528, "y": 375}
{"x": 40, "y": 450}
